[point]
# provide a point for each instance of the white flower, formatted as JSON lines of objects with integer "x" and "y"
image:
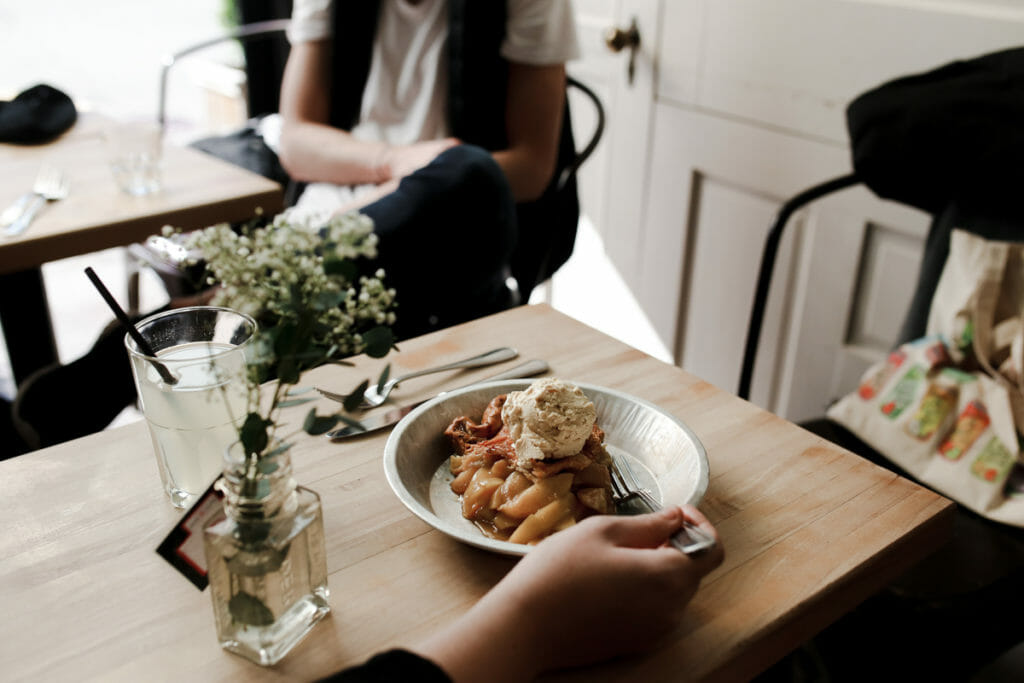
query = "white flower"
{"x": 284, "y": 271}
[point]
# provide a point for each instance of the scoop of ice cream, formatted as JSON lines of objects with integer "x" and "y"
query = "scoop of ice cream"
{"x": 549, "y": 419}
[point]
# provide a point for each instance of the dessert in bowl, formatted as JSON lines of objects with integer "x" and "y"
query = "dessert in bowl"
{"x": 664, "y": 452}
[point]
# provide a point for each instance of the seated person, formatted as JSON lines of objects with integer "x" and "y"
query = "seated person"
{"x": 436, "y": 119}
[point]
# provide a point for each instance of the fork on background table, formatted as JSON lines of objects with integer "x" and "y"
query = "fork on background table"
{"x": 689, "y": 540}
{"x": 50, "y": 185}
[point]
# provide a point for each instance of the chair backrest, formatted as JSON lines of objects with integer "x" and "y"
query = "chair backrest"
{"x": 246, "y": 33}
{"x": 595, "y": 137}
{"x": 947, "y": 141}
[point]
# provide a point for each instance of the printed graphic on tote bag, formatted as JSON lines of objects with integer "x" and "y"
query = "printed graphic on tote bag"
{"x": 873, "y": 384}
{"x": 994, "y": 462}
{"x": 938, "y": 403}
{"x": 973, "y": 421}
{"x": 902, "y": 395}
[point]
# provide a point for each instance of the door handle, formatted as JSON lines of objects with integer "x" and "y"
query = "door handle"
{"x": 619, "y": 39}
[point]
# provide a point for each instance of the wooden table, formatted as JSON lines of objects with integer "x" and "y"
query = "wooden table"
{"x": 809, "y": 530}
{"x": 198, "y": 190}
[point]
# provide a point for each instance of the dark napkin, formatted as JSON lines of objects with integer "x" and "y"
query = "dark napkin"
{"x": 37, "y": 115}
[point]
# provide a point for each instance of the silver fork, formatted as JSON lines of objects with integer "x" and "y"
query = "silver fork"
{"x": 689, "y": 540}
{"x": 373, "y": 398}
{"x": 51, "y": 185}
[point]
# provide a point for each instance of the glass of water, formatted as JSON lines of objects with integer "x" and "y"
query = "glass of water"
{"x": 193, "y": 419}
{"x": 135, "y": 153}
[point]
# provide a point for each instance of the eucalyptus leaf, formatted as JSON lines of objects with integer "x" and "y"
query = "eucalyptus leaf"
{"x": 383, "y": 379}
{"x": 341, "y": 267}
{"x": 379, "y": 341}
{"x": 325, "y": 301}
{"x": 279, "y": 449}
{"x": 250, "y": 610}
{"x": 318, "y": 424}
{"x": 298, "y": 391}
{"x": 251, "y": 533}
{"x": 288, "y": 371}
{"x": 351, "y": 422}
{"x": 295, "y": 402}
{"x": 253, "y": 433}
{"x": 355, "y": 399}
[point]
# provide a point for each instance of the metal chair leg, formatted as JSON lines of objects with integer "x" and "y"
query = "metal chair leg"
{"x": 764, "y": 278}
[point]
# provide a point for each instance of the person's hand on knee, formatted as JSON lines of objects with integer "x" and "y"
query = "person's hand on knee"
{"x": 403, "y": 160}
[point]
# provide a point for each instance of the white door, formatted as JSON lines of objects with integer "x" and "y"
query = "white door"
{"x": 745, "y": 108}
{"x": 596, "y": 286}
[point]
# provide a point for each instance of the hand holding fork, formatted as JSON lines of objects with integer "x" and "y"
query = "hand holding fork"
{"x": 689, "y": 540}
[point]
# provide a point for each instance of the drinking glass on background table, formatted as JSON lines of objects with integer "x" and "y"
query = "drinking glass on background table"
{"x": 194, "y": 420}
{"x": 134, "y": 152}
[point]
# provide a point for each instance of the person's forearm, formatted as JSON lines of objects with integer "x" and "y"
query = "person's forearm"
{"x": 527, "y": 177}
{"x": 312, "y": 152}
{"x": 477, "y": 646}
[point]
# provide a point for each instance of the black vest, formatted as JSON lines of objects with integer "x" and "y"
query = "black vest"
{"x": 476, "y": 113}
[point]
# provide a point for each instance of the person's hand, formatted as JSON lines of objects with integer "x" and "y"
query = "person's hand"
{"x": 394, "y": 163}
{"x": 605, "y": 587}
{"x": 402, "y": 160}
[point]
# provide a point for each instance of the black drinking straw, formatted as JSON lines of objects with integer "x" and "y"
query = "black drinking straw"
{"x": 131, "y": 329}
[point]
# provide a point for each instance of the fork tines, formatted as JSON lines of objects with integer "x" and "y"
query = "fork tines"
{"x": 625, "y": 484}
{"x": 690, "y": 539}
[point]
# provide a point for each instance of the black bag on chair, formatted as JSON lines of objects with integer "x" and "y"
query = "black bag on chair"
{"x": 949, "y": 141}
{"x": 955, "y": 133}
{"x": 247, "y": 149}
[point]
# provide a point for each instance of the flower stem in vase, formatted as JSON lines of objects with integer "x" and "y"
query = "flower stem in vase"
{"x": 267, "y": 565}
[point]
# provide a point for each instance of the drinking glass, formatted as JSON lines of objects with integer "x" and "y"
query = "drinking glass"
{"x": 193, "y": 420}
{"x": 135, "y": 152}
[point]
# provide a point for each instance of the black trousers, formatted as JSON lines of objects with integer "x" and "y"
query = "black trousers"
{"x": 446, "y": 237}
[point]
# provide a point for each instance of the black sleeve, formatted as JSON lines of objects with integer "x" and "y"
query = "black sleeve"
{"x": 391, "y": 667}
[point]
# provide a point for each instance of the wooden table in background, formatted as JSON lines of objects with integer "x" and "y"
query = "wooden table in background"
{"x": 198, "y": 190}
{"x": 809, "y": 531}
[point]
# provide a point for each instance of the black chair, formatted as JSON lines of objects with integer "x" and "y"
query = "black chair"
{"x": 948, "y": 144}
{"x": 265, "y": 50}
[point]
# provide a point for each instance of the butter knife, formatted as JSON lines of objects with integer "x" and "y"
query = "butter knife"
{"x": 393, "y": 415}
{"x": 14, "y": 211}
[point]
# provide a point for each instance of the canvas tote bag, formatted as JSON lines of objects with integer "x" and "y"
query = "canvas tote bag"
{"x": 948, "y": 408}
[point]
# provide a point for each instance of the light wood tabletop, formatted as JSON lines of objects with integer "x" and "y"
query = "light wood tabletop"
{"x": 809, "y": 531}
{"x": 198, "y": 190}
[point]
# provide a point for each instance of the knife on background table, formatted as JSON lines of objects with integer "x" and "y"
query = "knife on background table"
{"x": 14, "y": 211}
{"x": 391, "y": 416}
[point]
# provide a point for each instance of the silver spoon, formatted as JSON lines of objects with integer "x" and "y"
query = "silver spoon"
{"x": 373, "y": 398}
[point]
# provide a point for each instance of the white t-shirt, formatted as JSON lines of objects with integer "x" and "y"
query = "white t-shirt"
{"x": 406, "y": 89}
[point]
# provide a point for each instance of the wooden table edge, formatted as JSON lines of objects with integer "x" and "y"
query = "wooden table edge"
{"x": 812, "y": 618}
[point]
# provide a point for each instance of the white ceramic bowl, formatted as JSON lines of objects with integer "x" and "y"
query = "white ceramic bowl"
{"x": 664, "y": 453}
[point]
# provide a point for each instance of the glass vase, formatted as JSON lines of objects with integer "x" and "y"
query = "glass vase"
{"x": 266, "y": 561}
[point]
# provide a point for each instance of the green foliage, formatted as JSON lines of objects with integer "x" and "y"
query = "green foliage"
{"x": 254, "y": 433}
{"x": 379, "y": 341}
{"x": 355, "y": 399}
{"x": 249, "y": 610}
{"x": 316, "y": 424}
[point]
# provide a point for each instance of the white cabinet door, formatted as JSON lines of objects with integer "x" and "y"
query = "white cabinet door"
{"x": 746, "y": 108}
